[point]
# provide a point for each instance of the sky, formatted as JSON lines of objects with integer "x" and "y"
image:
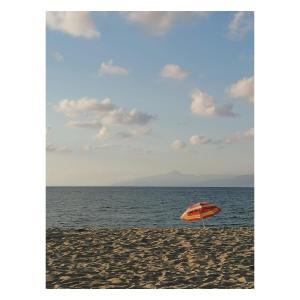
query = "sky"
{"x": 135, "y": 94}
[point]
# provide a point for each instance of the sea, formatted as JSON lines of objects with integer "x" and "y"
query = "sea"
{"x": 79, "y": 207}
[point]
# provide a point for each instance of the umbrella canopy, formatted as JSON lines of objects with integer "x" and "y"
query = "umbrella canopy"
{"x": 200, "y": 211}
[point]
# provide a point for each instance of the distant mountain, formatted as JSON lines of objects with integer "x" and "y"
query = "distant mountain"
{"x": 236, "y": 181}
{"x": 176, "y": 178}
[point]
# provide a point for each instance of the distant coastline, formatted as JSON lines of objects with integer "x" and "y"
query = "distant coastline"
{"x": 178, "y": 179}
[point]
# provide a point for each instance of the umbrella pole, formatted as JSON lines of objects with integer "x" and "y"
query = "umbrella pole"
{"x": 203, "y": 223}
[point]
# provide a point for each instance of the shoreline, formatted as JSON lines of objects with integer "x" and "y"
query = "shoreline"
{"x": 211, "y": 257}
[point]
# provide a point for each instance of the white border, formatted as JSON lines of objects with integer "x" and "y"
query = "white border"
{"x": 115, "y": 5}
{"x": 23, "y": 143}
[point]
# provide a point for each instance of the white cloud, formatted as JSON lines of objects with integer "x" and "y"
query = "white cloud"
{"x": 141, "y": 131}
{"x": 108, "y": 68}
{"x": 242, "y": 89}
{"x": 233, "y": 138}
{"x": 105, "y": 110}
{"x": 75, "y": 23}
{"x": 93, "y": 114}
{"x": 58, "y": 149}
{"x": 178, "y": 145}
{"x": 202, "y": 140}
{"x": 57, "y": 56}
{"x": 204, "y": 105}
{"x": 102, "y": 133}
{"x": 84, "y": 124}
{"x": 159, "y": 22}
{"x": 73, "y": 108}
{"x": 90, "y": 148}
{"x": 173, "y": 72}
{"x": 199, "y": 139}
{"x": 120, "y": 116}
{"x": 238, "y": 136}
{"x": 241, "y": 24}
{"x": 225, "y": 111}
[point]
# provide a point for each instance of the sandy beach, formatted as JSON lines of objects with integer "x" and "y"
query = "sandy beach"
{"x": 150, "y": 258}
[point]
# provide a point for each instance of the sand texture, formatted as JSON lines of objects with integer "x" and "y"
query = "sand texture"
{"x": 150, "y": 258}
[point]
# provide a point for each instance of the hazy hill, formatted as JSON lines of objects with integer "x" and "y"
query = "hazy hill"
{"x": 188, "y": 180}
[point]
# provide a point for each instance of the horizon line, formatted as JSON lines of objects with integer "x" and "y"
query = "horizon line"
{"x": 150, "y": 186}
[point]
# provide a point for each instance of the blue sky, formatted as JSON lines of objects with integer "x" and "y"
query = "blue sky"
{"x": 185, "y": 75}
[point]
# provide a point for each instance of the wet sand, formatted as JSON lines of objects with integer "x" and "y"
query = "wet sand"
{"x": 150, "y": 258}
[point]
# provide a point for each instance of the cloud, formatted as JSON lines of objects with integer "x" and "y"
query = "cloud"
{"x": 198, "y": 140}
{"x": 102, "y": 133}
{"x": 225, "y": 111}
{"x": 173, "y": 72}
{"x": 142, "y": 131}
{"x": 51, "y": 148}
{"x": 204, "y": 105}
{"x": 202, "y": 140}
{"x": 75, "y": 23}
{"x": 121, "y": 116}
{"x": 57, "y": 56}
{"x": 233, "y": 138}
{"x": 90, "y": 148}
{"x": 58, "y": 149}
{"x": 108, "y": 68}
{"x": 107, "y": 113}
{"x": 84, "y": 124}
{"x": 241, "y": 24}
{"x": 238, "y": 136}
{"x": 159, "y": 22}
{"x": 72, "y": 108}
{"x": 242, "y": 89}
{"x": 178, "y": 145}
{"x": 90, "y": 113}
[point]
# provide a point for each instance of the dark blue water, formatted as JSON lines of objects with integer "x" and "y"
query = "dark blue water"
{"x": 144, "y": 206}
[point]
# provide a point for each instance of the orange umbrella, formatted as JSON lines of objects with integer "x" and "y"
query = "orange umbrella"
{"x": 200, "y": 211}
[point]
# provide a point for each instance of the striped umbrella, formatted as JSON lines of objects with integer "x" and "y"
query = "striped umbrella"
{"x": 200, "y": 211}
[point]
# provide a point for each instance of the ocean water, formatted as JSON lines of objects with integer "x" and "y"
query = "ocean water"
{"x": 144, "y": 206}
